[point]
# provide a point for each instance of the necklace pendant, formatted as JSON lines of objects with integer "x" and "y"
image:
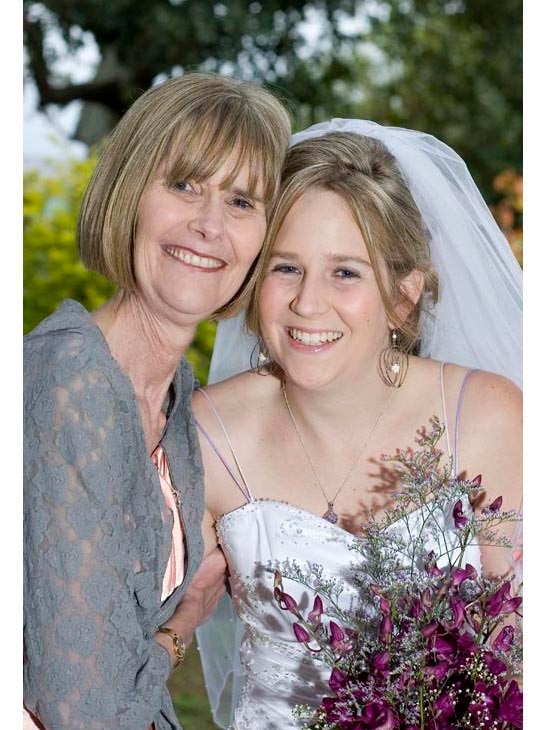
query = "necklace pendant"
{"x": 330, "y": 515}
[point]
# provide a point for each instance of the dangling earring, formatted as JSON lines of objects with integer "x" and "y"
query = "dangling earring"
{"x": 393, "y": 363}
{"x": 261, "y": 360}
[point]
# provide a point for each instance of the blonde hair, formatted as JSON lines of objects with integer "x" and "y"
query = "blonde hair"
{"x": 365, "y": 175}
{"x": 191, "y": 125}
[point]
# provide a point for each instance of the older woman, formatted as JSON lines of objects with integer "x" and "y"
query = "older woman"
{"x": 175, "y": 215}
{"x": 384, "y": 294}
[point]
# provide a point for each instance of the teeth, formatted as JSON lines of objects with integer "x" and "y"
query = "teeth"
{"x": 192, "y": 259}
{"x": 314, "y": 338}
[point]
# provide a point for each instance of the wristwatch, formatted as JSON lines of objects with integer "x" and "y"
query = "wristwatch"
{"x": 179, "y": 647}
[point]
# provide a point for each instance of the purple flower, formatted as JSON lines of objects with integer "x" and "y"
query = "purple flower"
{"x": 467, "y": 643}
{"x": 438, "y": 670}
{"x": 429, "y": 629}
{"x": 495, "y": 665}
{"x": 378, "y": 716}
{"x": 338, "y": 639}
{"x": 460, "y": 520}
{"x": 314, "y": 615}
{"x": 510, "y": 709}
{"x": 301, "y": 634}
{"x": 430, "y": 566}
{"x": 458, "y": 575}
{"x": 444, "y": 706}
{"x": 494, "y": 506}
{"x": 501, "y": 602}
{"x": 337, "y": 680}
{"x": 287, "y": 603}
{"x": 386, "y": 628}
{"x": 380, "y": 662}
{"x": 442, "y": 645}
{"x": 458, "y": 613}
{"x": 504, "y": 639}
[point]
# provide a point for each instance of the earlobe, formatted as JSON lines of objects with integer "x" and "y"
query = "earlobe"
{"x": 410, "y": 290}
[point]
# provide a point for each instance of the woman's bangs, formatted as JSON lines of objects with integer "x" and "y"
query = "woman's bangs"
{"x": 199, "y": 152}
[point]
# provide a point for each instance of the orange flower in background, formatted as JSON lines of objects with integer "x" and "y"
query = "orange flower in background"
{"x": 508, "y": 211}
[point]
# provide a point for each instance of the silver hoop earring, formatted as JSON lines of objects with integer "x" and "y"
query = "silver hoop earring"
{"x": 393, "y": 363}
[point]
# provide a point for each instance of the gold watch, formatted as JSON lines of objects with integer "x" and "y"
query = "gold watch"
{"x": 179, "y": 647}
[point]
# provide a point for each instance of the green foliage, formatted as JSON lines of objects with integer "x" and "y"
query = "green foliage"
{"x": 187, "y": 688}
{"x": 52, "y": 270}
{"x": 139, "y": 41}
{"x": 452, "y": 68}
{"x": 449, "y": 67}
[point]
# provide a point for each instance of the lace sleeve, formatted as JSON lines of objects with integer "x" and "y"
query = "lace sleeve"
{"x": 88, "y": 663}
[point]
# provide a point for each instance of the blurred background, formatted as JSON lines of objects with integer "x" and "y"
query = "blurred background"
{"x": 449, "y": 67}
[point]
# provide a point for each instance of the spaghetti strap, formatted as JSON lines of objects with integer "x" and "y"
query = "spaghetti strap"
{"x": 454, "y": 455}
{"x": 458, "y": 415}
{"x": 240, "y": 480}
{"x": 445, "y": 414}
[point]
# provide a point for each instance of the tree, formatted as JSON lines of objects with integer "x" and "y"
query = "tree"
{"x": 449, "y": 67}
{"x": 141, "y": 40}
{"x": 453, "y": 68}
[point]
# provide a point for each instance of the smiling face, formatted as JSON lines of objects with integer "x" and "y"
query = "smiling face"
{"x": 195, "y": 243}
{"x": 320, "y": 309}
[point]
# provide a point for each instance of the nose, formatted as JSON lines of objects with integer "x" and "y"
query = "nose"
{"x": 208, "y": 218}
{"x": 311, "y": 297}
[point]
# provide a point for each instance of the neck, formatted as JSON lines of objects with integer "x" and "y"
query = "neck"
{"x": 147, "y": 348}
{"x": 336, "y": 408}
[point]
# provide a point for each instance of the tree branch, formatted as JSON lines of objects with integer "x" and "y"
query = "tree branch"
{"x": 108, "y": 92}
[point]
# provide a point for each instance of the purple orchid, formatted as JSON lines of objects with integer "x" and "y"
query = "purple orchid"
{"x": 460, "y": 520}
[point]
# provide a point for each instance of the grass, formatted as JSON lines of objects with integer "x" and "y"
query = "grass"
{"x": 189, "y": 694}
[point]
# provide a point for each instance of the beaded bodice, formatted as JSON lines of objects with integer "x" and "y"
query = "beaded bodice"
{"x": 279, "y": 672}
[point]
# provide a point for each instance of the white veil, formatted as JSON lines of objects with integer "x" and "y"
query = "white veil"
{"x": 477, "y": 321}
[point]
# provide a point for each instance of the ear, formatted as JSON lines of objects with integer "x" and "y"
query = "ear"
{"x": 410, "y": 291}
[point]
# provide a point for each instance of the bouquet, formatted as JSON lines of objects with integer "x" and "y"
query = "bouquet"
{"x": 430, "y": 643}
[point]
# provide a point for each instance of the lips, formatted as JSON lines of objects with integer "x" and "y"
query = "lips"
{"x": 193, "y": 259}
{"x": 313, "y": 339}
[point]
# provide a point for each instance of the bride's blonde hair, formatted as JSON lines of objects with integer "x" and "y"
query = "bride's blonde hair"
{"x": 365, "y": 175}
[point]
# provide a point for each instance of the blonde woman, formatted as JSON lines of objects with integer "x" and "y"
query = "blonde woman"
{"x": 175, "y": 215}
{"x": 385, "y": 294}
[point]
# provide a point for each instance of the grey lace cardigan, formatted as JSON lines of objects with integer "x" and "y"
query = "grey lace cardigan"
{"x": 97, "y": 532}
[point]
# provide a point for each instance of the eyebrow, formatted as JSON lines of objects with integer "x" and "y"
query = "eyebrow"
{"x": 335, "y": 258}
{"x": 246, "y": 194}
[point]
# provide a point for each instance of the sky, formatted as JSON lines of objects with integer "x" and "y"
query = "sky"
{"x": 47, "y": 135}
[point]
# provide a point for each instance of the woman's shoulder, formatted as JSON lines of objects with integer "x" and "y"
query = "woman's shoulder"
{"x": 67, "y": 349}
{"x": 64, "y": 333}
{"x": 484, "y": 395}
{"x": 245, "y": 393}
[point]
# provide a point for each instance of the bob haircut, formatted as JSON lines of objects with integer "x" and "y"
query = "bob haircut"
{"x": 188, "y": 126}
{"x": 365, "y": 175}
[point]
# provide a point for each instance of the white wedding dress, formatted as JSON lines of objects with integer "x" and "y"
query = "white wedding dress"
{"x": 279, "y": 672}
{"x": 255, "y": 669}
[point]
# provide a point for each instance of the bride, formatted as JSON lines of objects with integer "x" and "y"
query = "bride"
{"x": 385, "y": 295}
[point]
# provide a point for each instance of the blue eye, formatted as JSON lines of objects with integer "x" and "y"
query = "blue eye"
{"x": 285, "y": 269}
{"x": 346, "y": 274}
{"x": 182, "y": 186}
{"x": 242, "y": 203}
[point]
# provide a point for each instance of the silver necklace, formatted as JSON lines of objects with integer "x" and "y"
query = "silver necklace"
{"x": 330, "y": 515}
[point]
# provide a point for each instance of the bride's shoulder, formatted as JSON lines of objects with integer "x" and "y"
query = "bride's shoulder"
{"x": 244, "y": 393}
{"x": 484, "y": 395}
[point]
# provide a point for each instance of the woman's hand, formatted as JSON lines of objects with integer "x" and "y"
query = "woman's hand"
{"x": 200, "y": 600}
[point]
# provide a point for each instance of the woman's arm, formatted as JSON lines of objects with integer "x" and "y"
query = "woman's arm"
{"x": 491, "y": 445}
{"x": 88, "y": 663}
